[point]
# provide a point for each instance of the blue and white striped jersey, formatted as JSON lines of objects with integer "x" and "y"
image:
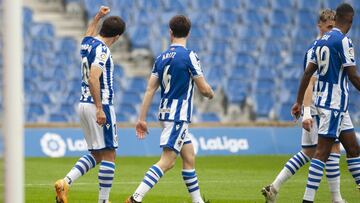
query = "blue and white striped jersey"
{"x": 176, "y": 68}
{"x": 94, "y": 52}
{"x": 307, "y": 59}
{"x": 333, "y": 53}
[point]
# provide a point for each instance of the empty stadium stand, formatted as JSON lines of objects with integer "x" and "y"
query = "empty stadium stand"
{"x": 251, "y": 52}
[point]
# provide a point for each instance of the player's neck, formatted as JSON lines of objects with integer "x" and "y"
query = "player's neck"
{"x": 107, "y": 41}
{"x": 341, "y": 28}
{"x": 180, "y": 41}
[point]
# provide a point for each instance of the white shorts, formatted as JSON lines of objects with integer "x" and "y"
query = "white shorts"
{"x": 174, "y": 135}
{"x": 310, "y": 139}
{"x": 98, "y": 137}
{"x": 333, "y": 122}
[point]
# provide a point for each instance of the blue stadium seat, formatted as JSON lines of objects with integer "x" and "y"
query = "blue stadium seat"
{"x": 57, "y": 118}
{"x": 247, "y": 46}
{"x": 121, "y": 117}
{"x": 276, "y": 32}
{"x": 243, "y": 72}
{"x": 210, "y": 117}
{"x": 229, "y": 5}
{"x": 332, "y": 3}
{"x": 246, "y": 32}
{"x": 314, "y": 6}
{"x": 306, "y": 19}
{"x": 236, "y": 90}
{"x": 282, "y": 4}
{"x": 200, "y": 19}
{"x": 222, "y": 32}
{"x": 256, "y": 4}
{"x": 265, "y": 86}
{"x": 202, "y": 5}
{"x": 264, "y": 104}
{"x": 43, "y": 31}
{"x": 228, "y": 18}
{"x": 284, "y": 114}
{"x": 244, "y": 59}
{"x": 267, "y": 73}
{"x": 139, "y": 37}
{"x": 137, "y": 84}
{"x": 280, "y": 18}
{"x": 128, "y": 109}
{"x": 256, "y": 17}
{"x": 130, "y": 98}
{"x": 291, "y": 84}
{"x": 175, "y": 5}
{"x": 147, "y": 5}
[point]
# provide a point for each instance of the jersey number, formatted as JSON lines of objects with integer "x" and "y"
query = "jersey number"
{"x": 166, "y": 79}
{"x": 323, "y": 55}
{"x": 85, "y": 71}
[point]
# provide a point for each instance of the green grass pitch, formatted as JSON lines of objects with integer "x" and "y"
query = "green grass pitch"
{"x": 227, "y": 179}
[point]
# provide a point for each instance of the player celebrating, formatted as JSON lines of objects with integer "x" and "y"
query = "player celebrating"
{"x": 175, "y": 71}
{"x": 334, "y": 58}
{"x": 309, "y": 134}
{"x": 97, "y": 115}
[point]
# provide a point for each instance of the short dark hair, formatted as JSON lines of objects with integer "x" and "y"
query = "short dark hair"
{"x": 112, "y": 26}
{"x": 342, "y": 11}
{"x": 180, "y": 26}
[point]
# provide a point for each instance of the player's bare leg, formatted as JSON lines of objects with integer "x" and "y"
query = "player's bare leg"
{"x": 188, "y": 173}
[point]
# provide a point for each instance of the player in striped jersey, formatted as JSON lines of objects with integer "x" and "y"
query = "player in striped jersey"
{"x": 176, "y": 71}
{"x": 309, "y": 132}
{"x": 334, "y": 58}
{"x": 97, "y": 114}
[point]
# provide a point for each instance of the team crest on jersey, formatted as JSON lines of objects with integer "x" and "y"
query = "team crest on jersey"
{"x": 103, "y": 56}
{"x": 351, "y": 52}
{"x": 107, "y": 126}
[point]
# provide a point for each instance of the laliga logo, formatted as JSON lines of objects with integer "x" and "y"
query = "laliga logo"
{"x": 53, "y": 145}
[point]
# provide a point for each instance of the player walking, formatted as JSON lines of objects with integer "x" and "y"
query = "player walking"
{"x": 97, "y": 115}
{"x": 175, "y": 71}
{"x": 309, "y": 132}
{"x": 334, "y": 59}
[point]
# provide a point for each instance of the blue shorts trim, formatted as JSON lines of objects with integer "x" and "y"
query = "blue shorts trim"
{"x": 114, "y": 148}
{"x": 348, "y": 130}
{"x": 333, "y": 136}
{"x": 188, "y": 142}
{"x": 170, "y": 147}
{"x": 308, "y": 146}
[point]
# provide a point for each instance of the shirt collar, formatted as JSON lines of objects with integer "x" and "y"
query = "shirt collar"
{"x": 337, "y": 29}
{"x": 177, "y": 45}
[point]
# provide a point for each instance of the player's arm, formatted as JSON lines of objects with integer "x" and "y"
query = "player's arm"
{"x": 93, "y": 27}
{"x": 309, "y": 71}
{"x": 204, "y": 88}
{"x": 141, "y": 126}
{"x": 94, "y": 85}
{"x": 307, "y": 119}
{"x": 353, "y": 76}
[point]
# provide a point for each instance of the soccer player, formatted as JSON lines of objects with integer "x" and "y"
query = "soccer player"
{"x": 97, "y": 115}
{"x": 175, "y": 71}
{"x": 333, "y": 56}
{"x": 309, "y": 132}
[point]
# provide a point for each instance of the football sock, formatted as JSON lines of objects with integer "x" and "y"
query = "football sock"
{"x": 106, "y": 176}
{"x": 291, "y": 167}
{"x": 333, "y": 176}
{"x": 316, "y": 172}
{"x": 354, "y": 168}
{"x": 192, "y": 184}
{"x": 82, "y": 166}
{"x": 152, "y": 176}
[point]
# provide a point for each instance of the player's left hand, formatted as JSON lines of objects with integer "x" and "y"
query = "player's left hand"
{"x": 296, "y": 111}
{"x": 141, "y": 129}
{"x": 103, "y": 11}
{"x": 307, "y": 124}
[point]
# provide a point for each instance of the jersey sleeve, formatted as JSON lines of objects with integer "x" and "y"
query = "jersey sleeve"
{"x": 101, "y": 56}
{"x": 348, "y": 55}
{"x": 195, "y": 67}
{"x": 155, "y": 70}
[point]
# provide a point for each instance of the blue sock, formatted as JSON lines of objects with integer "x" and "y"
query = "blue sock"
{"x": 152, "y": 176}
{"x": 354, "y": 168}
{"x": 106, "y": 176}
{"x": 316, "y": 172}
{"x": 192, "y": 184}
{"x": 333, "y": 176}
{"x": 82, "y": 166}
